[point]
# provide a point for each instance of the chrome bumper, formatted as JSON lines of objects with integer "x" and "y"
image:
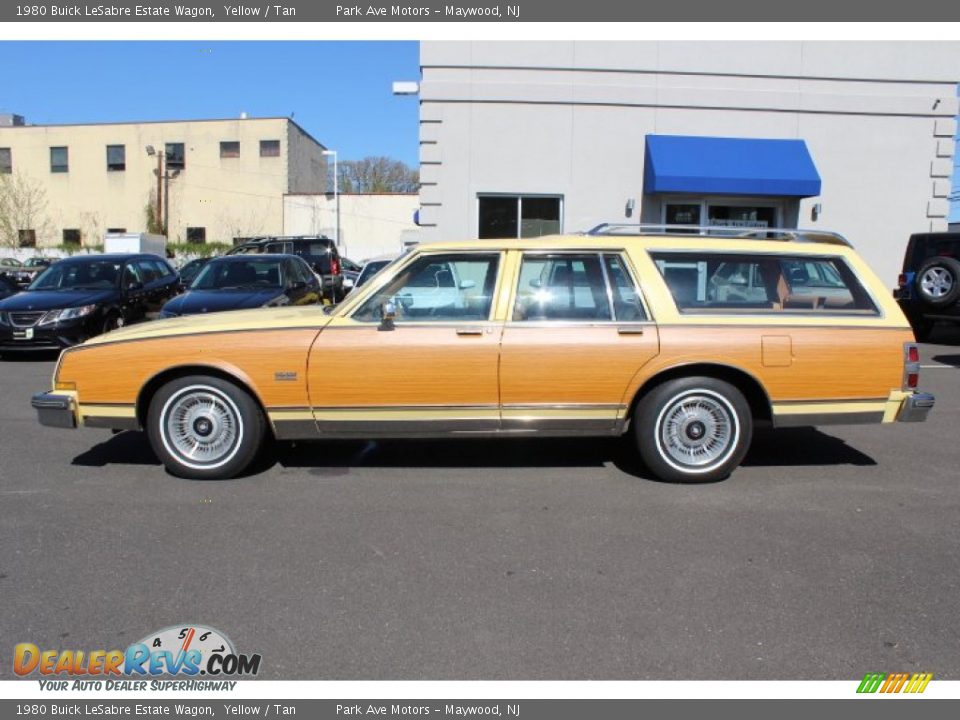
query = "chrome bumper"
{"x": 55, "y": 410}
{"x": 915, "y": 407}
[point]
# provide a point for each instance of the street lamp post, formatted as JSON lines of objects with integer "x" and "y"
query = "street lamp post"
{"x": 336, "y": 198}
{"x": 163, "y": 183}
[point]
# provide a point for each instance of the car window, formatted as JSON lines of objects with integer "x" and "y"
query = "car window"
{"x": 716, "y": 282}
{"x": 437, "y": 288}
{"x": 561, "y": 287}
{"x": 131, "y": 275}
{"x": 149, "y": 271}
{"x": 88, "y": 275}
{"x": 627, "y": 305}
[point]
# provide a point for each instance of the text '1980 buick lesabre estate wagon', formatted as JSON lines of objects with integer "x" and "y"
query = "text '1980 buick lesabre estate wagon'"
{"x": 681, "y": 340}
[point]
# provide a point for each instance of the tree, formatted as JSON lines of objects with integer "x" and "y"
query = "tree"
{"x": 23, "y": 206}
{"x": 377, "y": 175}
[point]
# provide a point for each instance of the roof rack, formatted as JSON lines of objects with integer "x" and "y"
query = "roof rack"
{"x": 721, "y": 231}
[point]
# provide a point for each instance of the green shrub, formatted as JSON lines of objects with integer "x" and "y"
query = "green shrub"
{"x": 199, "y": 249}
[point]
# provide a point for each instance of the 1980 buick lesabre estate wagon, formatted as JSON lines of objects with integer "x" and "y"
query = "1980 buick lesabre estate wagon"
{"x": 681, "y": 340}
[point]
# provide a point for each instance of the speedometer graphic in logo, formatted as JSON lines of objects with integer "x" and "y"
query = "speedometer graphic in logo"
{"x": 197, "y": 642}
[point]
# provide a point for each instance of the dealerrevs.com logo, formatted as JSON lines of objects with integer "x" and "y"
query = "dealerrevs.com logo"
{"x": 179, "y": 651}
{"x": 889, "y": 683}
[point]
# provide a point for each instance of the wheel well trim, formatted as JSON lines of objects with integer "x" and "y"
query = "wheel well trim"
{"x": 227, "y": 372}
{"x": 761, "y": 402}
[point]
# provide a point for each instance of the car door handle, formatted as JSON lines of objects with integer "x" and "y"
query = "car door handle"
{"x": 470, "y": 331}
{"x": 630, "y": 330}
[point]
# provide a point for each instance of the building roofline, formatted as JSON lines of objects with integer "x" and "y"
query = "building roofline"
{"x": 352, "y": 194}
{"x": 164, "y": 122}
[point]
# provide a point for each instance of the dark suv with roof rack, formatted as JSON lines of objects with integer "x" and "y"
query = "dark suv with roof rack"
{"x": 319, "y": 251}
{"x": 929, "y": 286}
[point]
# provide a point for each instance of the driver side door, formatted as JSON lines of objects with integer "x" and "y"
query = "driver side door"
{"x": 434, "y": 371}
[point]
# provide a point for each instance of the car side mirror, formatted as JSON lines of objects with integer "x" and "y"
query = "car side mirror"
{"x": 536, "y": 283}
{"x": 388, "y": 313}
{"x": 134, "y": 287}
{"x": 467, "y": 284}
{"x": 298, "y": 285}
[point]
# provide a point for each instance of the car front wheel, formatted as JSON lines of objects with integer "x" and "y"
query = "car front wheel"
{"x": 205, "y": 428}
{"x": 694, "y": 429}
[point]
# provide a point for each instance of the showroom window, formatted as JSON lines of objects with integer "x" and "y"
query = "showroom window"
{"x": 116, "y": 158}
{"x": 71, "y": 236}
{"x": 196, "y": 234}
{"x": 6, "y": 161}
{"x": 59, "y": 159}
{"x": 229, "y": 149}
{"x": 739, "y": 214}
{"x": 116, "y": 230}
{"x": 519, "y": 216}
{"x": 27, "y": 238}
{"x": 269, "y": 148}
{"x": 176, "y": 155}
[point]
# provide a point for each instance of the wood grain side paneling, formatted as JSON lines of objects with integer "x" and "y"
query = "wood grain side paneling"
{"x": 115, "y": 373}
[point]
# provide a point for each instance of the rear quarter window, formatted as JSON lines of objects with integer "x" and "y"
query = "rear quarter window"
{"x": 703, "y": 282}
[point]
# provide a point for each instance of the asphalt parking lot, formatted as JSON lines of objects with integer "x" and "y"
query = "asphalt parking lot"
{"x": 829, "y": 554}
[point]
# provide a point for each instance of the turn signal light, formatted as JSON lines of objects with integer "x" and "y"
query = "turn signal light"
{"x": 913, "y": 379}
{"x": 913, "y": 354}
{"x": 61, "y": 385}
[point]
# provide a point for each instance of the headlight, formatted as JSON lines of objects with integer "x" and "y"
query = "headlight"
{"x": 55, "y": 316}
{"x": 3, "y": 319}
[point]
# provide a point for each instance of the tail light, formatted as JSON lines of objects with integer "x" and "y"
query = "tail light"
{"x": 902, "y": 280}
{"x": 911, "y": 366}
{"x": 334, "y": 266}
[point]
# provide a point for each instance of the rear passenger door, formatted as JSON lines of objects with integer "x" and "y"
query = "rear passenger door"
{"x": 577, "y": 334}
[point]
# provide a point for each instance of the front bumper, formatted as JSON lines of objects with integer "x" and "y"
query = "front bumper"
{"x": 57, "y": 336}
{"x": 915, "y": 407}
{"x": 55, "y": 409}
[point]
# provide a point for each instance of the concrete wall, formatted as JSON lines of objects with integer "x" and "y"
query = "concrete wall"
{"x": 570, "y": 118}
{"x": 228, "y": 196}
{"x": 370, "y": 225}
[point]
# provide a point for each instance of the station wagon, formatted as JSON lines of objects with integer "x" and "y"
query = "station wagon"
{"x": 682, "y": 342}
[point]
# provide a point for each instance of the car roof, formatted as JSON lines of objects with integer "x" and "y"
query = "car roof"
{"x": 120, "y": 257}
{"x": 255, "y": 257}
{"x": 664, "y": 242}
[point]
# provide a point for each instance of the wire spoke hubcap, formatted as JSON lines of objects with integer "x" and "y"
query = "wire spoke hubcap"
{"x": 936, "y": 282}
{"x": 202, "y": 427}
{"x": 697, "y": 430}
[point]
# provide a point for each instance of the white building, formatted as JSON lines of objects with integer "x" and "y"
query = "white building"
{"x": 537, "y": 137}
{"x": 370, "y": 224}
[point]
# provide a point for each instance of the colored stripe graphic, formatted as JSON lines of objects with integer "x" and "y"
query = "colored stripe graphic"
{"x": 894, "y": 682}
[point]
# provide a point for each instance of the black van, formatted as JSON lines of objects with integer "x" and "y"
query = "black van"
{"x": 319, "y": 251}
{"x": 929, "y": 286}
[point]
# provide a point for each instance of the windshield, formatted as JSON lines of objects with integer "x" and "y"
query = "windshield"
{"x": 87, "y": 275}
{"x": 252, "y": 274}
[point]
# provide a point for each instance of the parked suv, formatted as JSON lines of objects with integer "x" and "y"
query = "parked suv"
{"x": 83, "y": 296}
{"x": 929, "y": 286}
{"x": 681, "y": 343}
{"x": 319, "y": 251}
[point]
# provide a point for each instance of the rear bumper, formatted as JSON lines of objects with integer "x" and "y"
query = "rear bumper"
{"x": 915, "y": 407}
{"x": 55, "y": 410}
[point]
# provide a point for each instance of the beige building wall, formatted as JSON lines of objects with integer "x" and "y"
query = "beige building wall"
{"x": 370, "y": 224}
{"x": 228, "y": 196}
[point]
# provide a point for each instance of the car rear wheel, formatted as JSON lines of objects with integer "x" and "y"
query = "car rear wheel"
{"x": 938, "y": 281}
{"x": 205, "y": 428}
{"x": 694, "y": 429}
{"x": 113, "y": 321}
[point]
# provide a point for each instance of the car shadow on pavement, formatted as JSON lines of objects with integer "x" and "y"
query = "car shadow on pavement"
{"x": 125, "y": 448}
{"x": 771, "y": 448}
{"x": 22, "y": 356}
{"x": 945, "y": 333}
{"x": 953, "y": 360}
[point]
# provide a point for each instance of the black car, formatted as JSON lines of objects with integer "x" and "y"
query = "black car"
{"x": 79, "y": 297}
{"x": 319, "y": 251}
{"x": 239, "y": 282}
{"x": 929, "y": 286}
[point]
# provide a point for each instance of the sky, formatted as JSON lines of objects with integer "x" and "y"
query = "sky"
{"x": 339, "y": 92}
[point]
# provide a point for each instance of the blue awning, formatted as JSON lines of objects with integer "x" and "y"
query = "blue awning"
{"x": 729, "y": 166}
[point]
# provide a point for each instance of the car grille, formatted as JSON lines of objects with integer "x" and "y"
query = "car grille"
{"x": 26, "y": 319}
